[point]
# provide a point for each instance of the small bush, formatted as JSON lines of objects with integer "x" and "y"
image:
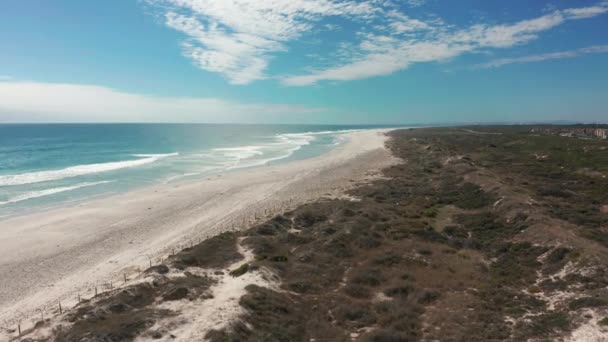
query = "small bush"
{"x": 558, "y": 254}
{"x": 543, "y": 325}
{"x": 398, "y": 291}
{"x": 357, "y": 291}
{"x": 433, "y": 212}
{"x": 308, "y": 218}
{"x": 587, "y": 302}
{"x": 389, "y": 260}
{"x": 388, "y": 335}
{"x": 429, "y": 234}
{"x": 554, "y": 192}
{"x": 427, "y": 297}
{"x": 279, "y": 258}
{"x": 370, "y": 277}
{"x": 355, "y": 314}
{"x": 240, "y": 271}
{"x": 217, "y": 252}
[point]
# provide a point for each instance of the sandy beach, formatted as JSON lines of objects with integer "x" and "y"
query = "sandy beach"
{"x": 56, "y": 256}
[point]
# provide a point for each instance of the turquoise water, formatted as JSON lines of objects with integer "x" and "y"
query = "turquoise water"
{"x": 43, "y": 166}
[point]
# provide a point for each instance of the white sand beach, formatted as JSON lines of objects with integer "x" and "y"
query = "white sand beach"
{"x": 55, "y": 256}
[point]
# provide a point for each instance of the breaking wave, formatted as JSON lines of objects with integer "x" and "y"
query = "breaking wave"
{"x": 79, "y": 170}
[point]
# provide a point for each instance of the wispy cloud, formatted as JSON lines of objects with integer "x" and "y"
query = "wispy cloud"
{"x": 34, "y": 101}
{"x": 544, "y": 57}
{"x": 240, "y": 38}
{"x": 415, "y": 3}
{"x": 383, "y": 54}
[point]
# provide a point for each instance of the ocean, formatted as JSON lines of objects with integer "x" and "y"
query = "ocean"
{"x": 43, "y": 166}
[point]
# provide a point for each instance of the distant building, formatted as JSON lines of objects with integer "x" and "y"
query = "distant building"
{"x": 571, "y": 132}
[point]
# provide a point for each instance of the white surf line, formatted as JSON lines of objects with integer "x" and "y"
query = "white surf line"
{"x": 37, "y": 194}
{"x": 78, "y": 170}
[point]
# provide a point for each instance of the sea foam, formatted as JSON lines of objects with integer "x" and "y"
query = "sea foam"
{"x": 79, "y": 170}
{"x": 284, "y": 146}
{"x": 36, "y": 194}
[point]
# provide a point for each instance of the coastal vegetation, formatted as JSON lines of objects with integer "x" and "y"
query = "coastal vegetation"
{"x": 477, "y": 234}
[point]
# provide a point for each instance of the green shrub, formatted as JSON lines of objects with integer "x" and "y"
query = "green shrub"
{"x": 357, "y": 291}
{"x": 398, "y": 291}
{"x": 432, "y": 212}
{"x": 587, "y": 302}
{"x": 240, "y": 270}
{"x": 370, "y": 277}
{"x": 558, "y": 254}
{"x": 217, "y": 252}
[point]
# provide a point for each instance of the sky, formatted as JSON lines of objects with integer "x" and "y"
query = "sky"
{"x": 304, "y": 61}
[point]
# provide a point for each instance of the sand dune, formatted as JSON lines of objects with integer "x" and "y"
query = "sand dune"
{"x": 55, "y": 256}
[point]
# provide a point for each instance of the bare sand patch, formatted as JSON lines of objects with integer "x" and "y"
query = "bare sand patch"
{"x": 195, "y": 319}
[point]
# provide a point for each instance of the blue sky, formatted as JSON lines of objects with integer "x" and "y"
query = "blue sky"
{"x": 303, "y": 61}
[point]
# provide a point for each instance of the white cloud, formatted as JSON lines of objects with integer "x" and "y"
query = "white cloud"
{"x": 33, "y": 101}
{"x": 441, "y": 42}
{"x": 586, "y": 12}
{"x": 237, "y": 38}
{"x": 595, "y": 49}
{"x": 543, "y": 57}
{"x": 415, "y": 3}
{"x": 400, "y": 23}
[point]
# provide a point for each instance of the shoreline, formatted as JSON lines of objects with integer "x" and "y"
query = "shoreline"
{"x": 185, "y": 178}
{"x": 60, "y": 254}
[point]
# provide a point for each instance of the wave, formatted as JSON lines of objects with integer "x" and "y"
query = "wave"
{"x": 241, "y": 152}
{"x": 283, "y": 146}
{"x": 47, "y": 192}
{"x": 287, "y": 143}
{"x": 79, "y": 170}
{"x": 155, "y": 155}
{"x": 184, "y": 175}
{"x": 313, "y": 133}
